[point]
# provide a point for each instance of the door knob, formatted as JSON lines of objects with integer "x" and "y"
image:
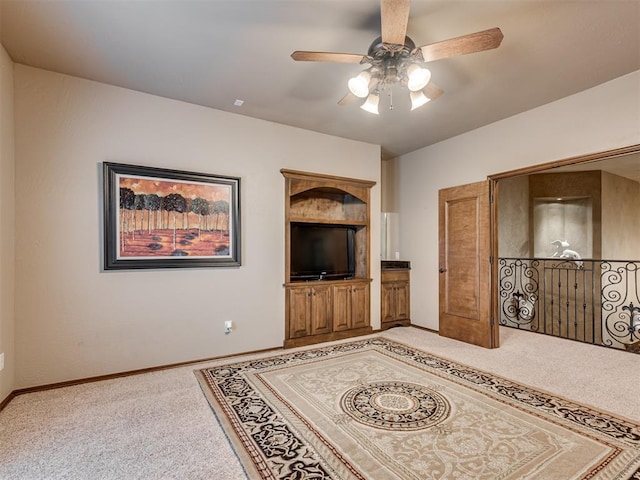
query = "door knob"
{"x": 442, "y": 270}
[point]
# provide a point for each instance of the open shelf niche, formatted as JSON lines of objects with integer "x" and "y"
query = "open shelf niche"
{"x": 323, "y": 310}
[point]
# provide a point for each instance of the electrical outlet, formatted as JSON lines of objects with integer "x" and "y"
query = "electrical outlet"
{"x": 1, "y": 361}
{"x": 228, "y": 325}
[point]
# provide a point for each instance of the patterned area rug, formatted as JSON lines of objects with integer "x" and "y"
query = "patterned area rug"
{"x": 378, "y": 409}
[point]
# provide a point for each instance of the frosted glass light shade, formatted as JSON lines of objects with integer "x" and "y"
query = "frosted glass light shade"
{"x": 359, "y": 85}
{"x": 418, "y": 99}
{"x": 418, "y": 77}
{"x": 371, "y": 105}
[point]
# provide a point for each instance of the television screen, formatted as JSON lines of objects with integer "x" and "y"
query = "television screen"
{"x": 321, "y": 251}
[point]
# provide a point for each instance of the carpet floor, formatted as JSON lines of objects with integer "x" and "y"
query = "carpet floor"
{"x": 160, "y": 426}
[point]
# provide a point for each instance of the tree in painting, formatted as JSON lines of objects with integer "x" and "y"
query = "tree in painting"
{"x": 200, "y": 207}
{"x": 127, "y": 198}
{"x": 138, "y": 206}
{"x": 221, "y": 209}
{"x": 152, "y": 205}
{"x": 175, "y": 203}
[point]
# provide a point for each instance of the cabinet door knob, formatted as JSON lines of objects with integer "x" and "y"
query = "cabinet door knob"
{"x": 442, "y": 270}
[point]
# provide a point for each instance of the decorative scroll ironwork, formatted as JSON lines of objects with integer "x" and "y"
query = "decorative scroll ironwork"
{"x": 621, "y": 302}
{"x": 518, "y": 291}
{"x": 592, "y": 301}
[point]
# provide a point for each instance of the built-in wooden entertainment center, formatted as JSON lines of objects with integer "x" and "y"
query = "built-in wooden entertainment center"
{"x": 318, "y": 309}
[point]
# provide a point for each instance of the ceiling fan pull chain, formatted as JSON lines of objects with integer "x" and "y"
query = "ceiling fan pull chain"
{"x": 390, "y": 99}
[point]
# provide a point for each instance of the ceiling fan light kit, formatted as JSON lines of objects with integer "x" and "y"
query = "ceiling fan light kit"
{"x": 417, "y": 77}
{"x": 371, "y": 103}
{"x": 418, "y": 99}
{"x": 390, "y": 65}
{"x": 359, "y": 85}
{"x": 394, "y": 58}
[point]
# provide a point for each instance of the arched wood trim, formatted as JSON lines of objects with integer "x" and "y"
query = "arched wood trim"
{"x": 303, "y": 181}
{"x": 591, "y": 157}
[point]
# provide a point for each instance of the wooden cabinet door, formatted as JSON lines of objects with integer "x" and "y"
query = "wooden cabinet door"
{"x": 359, "y": 306}
{"x": 388, "y": 302}
{"x": 395, "y": 297}
{"x": 401, "y": 296}
{"x": 299, "y": 313}
{"x": 321, "y": 311}
{"x": 341, "y": 307}
{"x": 465, "y": 273}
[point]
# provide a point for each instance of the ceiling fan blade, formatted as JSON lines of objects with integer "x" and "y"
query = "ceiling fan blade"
{"x": 348, "y": 99}
{"x": 432, "y": 91}
{"x": 302, "y": 56}
{"x": 472, "y": 43}
{"x": 394, "y": 17}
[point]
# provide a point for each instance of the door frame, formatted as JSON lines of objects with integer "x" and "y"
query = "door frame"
{"x": 494, "y": 200}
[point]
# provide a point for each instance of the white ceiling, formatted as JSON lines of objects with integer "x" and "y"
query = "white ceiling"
{"x": 213, "y": 52}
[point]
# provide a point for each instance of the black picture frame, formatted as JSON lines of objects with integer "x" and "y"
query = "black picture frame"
{"x": 162, "y": 218}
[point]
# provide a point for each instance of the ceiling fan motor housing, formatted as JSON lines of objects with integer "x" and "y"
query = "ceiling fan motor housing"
{"x": 379, "y": 48}
{"x": 392, "y": 61}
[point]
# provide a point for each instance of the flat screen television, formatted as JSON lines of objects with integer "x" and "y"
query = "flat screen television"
{"x": 320, "y": 252}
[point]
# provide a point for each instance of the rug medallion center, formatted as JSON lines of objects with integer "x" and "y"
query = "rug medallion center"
{"x": 395, "y": 405}
{"x": 392, "y": 401}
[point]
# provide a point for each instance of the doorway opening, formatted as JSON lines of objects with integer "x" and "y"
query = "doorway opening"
{"x": 568, "y": 250}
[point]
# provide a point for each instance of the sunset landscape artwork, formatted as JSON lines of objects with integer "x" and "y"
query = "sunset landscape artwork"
{"x": 162, "y": 218}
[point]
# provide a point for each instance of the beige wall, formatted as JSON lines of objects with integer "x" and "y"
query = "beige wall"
{"x": 387, "y": 179}
{"x": 513, "y": 217}
{"x": 7, "y": 204}
{"x": 74, "y": 320}
{"x": 602, "y": 118}
{"x": 576, "y": 219}
{"x": 617, "y": 199}
{"x": 389, "y": 240}
{"x": 620, "y": 218}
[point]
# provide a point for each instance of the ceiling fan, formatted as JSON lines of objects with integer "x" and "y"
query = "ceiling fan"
{"x": 394, "y": 58}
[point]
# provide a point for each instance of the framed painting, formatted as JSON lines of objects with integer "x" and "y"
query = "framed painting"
{"x": 160, "y": 218}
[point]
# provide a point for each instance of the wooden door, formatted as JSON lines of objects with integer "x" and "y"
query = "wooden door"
{"x": 465, "y": 268}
